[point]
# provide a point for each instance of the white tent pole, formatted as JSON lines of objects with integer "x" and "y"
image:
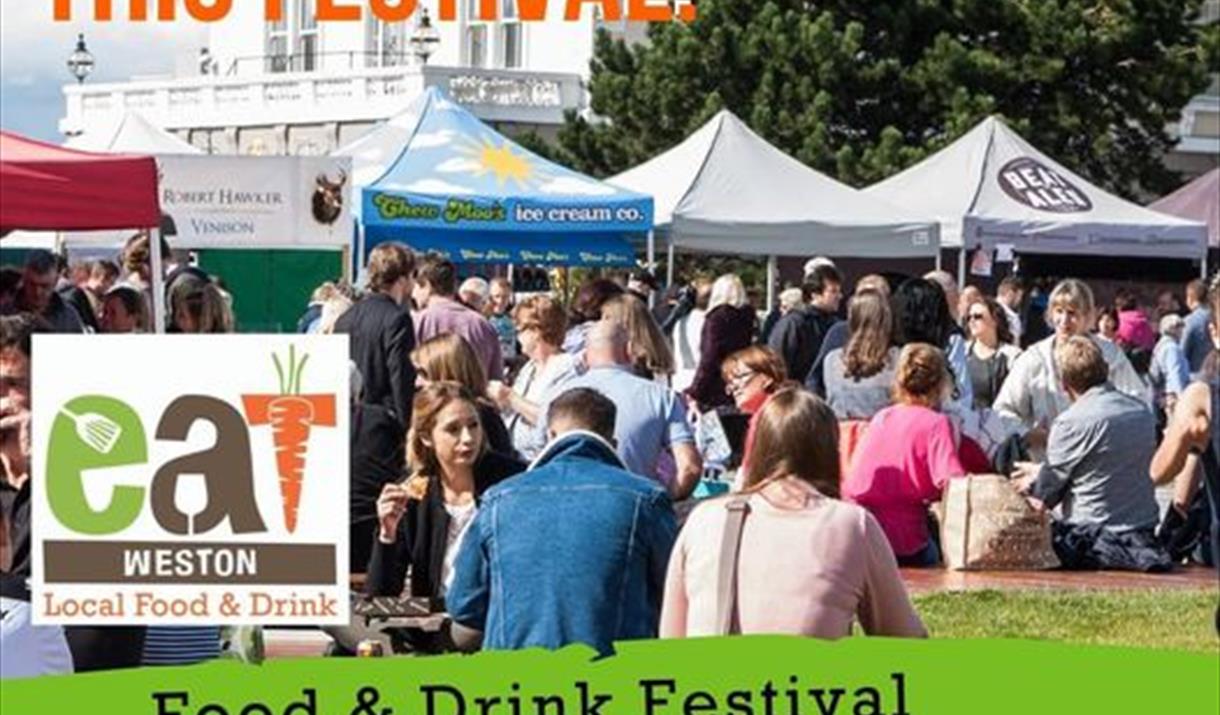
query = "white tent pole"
{"x": 158, "y": 280}
{"x": 652, "y": 264}
{"x": 772, "y": 276}
{"x": 938, "y": 258}
{"x": 961, "y": 267}
{"x": 669, "y": 261}
{"x": 1203, "y": 266}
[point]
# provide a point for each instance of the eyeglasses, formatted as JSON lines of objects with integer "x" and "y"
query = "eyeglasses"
{"x": 976, "y": 316}
{"x": 739, "y": 379}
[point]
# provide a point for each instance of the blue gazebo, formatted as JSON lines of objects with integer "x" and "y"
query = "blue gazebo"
{"x": 437, "y": 178}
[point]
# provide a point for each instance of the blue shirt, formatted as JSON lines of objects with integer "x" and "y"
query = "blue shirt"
{"x": 1196, "y": 341}
{"x": 573, "y": 551}
{"x": 1168, "y": 373}
{"x": 651, "y": 417}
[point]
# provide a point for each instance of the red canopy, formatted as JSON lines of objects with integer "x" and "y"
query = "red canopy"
{"x": 46, "y": 187}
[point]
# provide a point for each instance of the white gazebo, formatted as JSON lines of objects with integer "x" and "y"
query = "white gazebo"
{"x": 726, "y": 190}
{"x": 991, "y": 187}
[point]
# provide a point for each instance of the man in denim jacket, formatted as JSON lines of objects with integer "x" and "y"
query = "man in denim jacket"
{"x": 573, "y": 550}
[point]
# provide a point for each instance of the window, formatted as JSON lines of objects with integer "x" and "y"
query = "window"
{"x": 510, "y": 44}
{"x": 385, "y": 43}
{"x": 307, "y": 36}
{"x": 294, "y": 41}
{"x": 498, "y": 43}
{"x": 476, "y": 45}
{"x": 277, "y": 46}
{"x": 510, "y": 34}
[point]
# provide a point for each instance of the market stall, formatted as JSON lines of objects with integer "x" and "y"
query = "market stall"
{"x": 439, "y": 179}
{"x": 273, "y": 228}
{"x": 726, "y": 190}
{"x": 44, "y": 187}
{"x": 991, "y": 189}
{"x": 1199, "y": 201}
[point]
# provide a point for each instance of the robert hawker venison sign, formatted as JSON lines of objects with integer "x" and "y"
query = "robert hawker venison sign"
{"x": 1038, "y": 186}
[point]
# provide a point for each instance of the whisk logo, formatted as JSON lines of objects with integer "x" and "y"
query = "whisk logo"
{"x": 211, "y": 485}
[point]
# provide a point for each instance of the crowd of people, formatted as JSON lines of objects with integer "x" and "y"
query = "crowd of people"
{"x": 536, "y": 468}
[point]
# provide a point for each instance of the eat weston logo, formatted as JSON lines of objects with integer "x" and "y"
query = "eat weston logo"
{"x": 174, "y": 486}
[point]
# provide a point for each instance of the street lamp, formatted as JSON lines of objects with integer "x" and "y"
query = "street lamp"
{"x": 425, "y": 38}
{"x": 80, "y": 62}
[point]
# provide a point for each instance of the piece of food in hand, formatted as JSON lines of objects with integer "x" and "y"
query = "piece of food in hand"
{"x": 416, "y": 487}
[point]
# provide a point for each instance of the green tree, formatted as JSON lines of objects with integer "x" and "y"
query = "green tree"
{"x": 860, "y": 90}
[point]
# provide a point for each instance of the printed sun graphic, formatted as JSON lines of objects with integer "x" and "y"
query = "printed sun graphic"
{"x": 502, "y": 160}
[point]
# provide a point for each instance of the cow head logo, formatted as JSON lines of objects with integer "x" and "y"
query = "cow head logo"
{"x": 328, "y": 197}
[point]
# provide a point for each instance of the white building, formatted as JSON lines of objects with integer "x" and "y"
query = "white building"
{"x": 302, "y": 87}
{"x": 1198, "y": 149}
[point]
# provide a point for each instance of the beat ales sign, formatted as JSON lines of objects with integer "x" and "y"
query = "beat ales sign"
{"x": 190, "y": 479}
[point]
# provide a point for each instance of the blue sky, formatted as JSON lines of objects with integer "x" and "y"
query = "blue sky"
{"x": 34, "y": 49}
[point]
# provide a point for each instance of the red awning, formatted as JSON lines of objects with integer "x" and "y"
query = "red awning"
{"x": 50, "y": 188}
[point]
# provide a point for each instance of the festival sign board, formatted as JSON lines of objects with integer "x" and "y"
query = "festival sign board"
{"x": 252, "y": 202}
{"x": 217, "y": 497}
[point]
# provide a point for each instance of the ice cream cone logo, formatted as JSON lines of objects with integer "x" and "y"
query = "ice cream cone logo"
{"x": 291, "y": 416}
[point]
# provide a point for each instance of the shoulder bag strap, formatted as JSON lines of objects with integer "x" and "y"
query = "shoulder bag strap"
{"x": 730, "y": 547}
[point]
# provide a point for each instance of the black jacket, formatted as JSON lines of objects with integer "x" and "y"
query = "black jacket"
{"x": 382, "y": 338}
{"x": 75, "y": 297}
{"x": 422, "y": 535}
{"x": 798, "y": 337}
{"x": 377, "y": 458}
{"x": 725, "y": 330}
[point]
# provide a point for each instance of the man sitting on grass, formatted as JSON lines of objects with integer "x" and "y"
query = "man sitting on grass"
{"x": 1096, "y": 467}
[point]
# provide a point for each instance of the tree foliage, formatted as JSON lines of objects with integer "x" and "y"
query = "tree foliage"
{"x": 860, "y": 90}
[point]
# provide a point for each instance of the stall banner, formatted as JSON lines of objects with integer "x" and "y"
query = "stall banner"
{"x": 506, "y": 213}
{"x": 251, "y": 202}
{"x": 190, "y": 480}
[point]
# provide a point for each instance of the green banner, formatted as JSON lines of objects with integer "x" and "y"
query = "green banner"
{"x": 739, "y": 676}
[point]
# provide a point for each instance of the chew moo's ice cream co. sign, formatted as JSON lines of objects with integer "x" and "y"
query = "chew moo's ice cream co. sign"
{"x": 215, "y": 493}
{"x": 1034, "y": 184}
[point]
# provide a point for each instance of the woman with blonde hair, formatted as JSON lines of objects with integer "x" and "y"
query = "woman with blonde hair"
{"x": 449, "y": 358}
{"x": 423, "y": 519}
{"x": 907, "y": 455}
{"x": 1032, "y": 392}
{"x": 728, "y": 326}
{"x": 540, "y": 326}
{"x": 651, "y": 356}
{"x": 804, "y": 562}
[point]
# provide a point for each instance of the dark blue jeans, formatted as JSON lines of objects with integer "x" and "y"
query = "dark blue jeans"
{"x": 928, "y": 556}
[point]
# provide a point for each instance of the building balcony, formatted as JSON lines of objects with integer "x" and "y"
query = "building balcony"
{"x": 359, "y": 95}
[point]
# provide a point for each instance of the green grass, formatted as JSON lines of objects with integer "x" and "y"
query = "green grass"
{"x": 1180, "y": 620}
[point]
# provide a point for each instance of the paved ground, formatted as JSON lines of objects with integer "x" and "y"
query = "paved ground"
{"x": 930, "y": 580}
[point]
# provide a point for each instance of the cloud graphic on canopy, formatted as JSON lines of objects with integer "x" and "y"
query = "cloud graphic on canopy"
{"x": 443, "y": 105}
{"x": 458, "y": 165}
{"x": 426, "y": 140}
{"x": 434, "y": 186}
{"x": 572, "y": 185}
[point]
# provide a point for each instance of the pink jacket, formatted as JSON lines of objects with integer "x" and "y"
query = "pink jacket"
{"x": 805, "y": 570}
{"x": 901, "y": 466}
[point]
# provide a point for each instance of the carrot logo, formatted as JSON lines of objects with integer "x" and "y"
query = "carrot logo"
{"x": 291, "y": 415}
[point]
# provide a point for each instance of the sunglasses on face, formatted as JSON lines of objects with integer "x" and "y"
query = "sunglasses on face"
{"x": 976, "y": 316}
